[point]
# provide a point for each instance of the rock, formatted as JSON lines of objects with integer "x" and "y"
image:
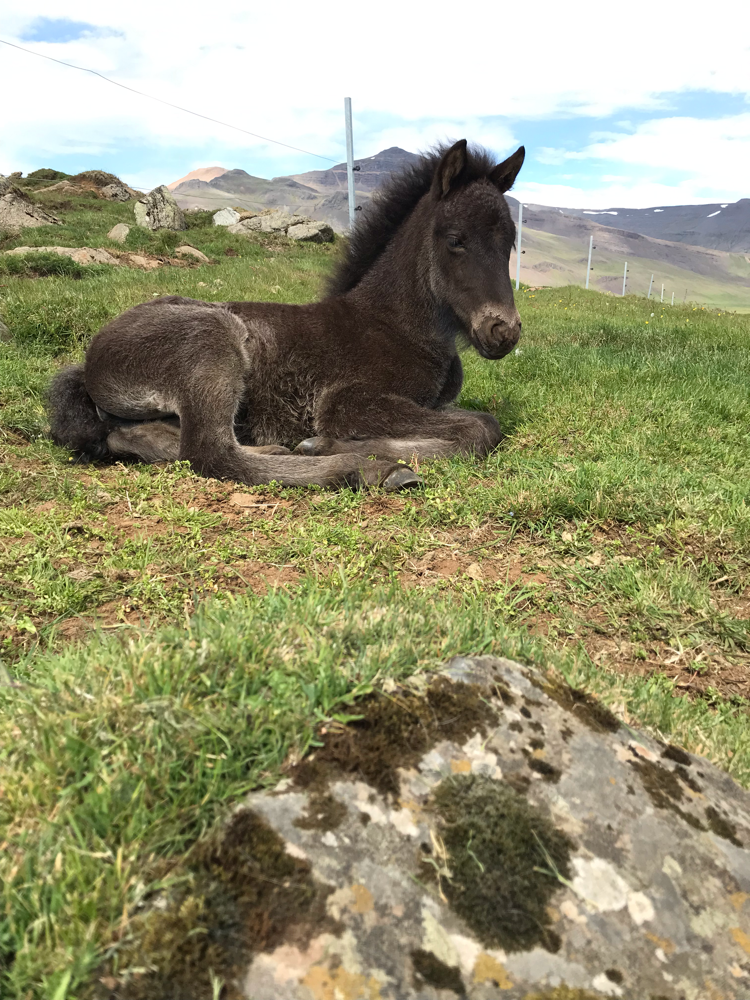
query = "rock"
{"x": 311, "y": 232}
{"x": 17, "y": 211}
{"x": 115, "y": 192}
{"x": 187, "y": 251}
{"x": 251, "y": 225}
{"x": 5, "y": 335}
{"x": 277, "y": 222}
{"x": 119, "y": 233}
{"x": 298, "y": 227}
{"x": 99, "y": 182}
{"x": 226, "y": 217}
{"x": 81, "y": 255}
{"x": 248, "y": 215}
{"x": 492, "y": 835}
{"x": 139, "y": 261}
{"x": 159, "y": 210}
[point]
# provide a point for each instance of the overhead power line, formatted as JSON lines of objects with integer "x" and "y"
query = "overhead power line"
{"x": 140, "y": 93}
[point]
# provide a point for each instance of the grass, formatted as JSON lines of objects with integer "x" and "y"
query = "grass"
{"x": 559, "y": 260}
{"x": 169, "y": 642}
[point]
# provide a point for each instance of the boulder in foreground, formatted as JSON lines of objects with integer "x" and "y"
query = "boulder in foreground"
{"x": 159, "y": 210}
{"x": 494, "y": 835}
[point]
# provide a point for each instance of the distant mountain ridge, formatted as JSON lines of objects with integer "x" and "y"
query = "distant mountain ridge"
{"x": 721, "y": 226}
{"x": 703, "y": 247}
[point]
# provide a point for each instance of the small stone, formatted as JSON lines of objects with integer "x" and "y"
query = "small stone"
{"x": 5, "y": 335}
{"x": 188, "y": 251}
{"x": 226, "y": 217}
{"x": 119, "y": 232}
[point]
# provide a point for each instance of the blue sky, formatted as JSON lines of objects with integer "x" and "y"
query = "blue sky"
{"x": 633, "y": 120}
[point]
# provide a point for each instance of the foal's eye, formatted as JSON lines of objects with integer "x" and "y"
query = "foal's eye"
{"x": 455, "y": 243}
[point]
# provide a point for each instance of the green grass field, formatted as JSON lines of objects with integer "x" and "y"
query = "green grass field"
{"x": 169, "y": 642}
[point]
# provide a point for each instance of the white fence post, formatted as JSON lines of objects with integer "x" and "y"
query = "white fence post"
{"x": 588, "y": 266}
{"x": 662, "y": 293}
{"x": 649, "y": 287}
{"x": 624, "y": 277}
{"x": 349, "y": 158}
{"x": 518, "y": 245}
{"x": 672, "y": 298}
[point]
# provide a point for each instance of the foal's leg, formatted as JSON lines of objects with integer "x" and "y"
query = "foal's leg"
{"x": 193, "y": 361}
{"x": 159, "y": 441}
{"x": 393, "y": 427}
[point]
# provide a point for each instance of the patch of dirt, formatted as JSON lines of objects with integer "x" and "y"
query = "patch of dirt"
{"x": 697, "y": 671}
{"x": 447, "y": 563}
{"x": 260, "y": 577}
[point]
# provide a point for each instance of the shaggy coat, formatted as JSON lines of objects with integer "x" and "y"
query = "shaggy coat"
{"x": 370, "y": 370}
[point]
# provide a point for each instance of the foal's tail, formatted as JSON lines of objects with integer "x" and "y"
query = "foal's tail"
{"x": 75, "y": 422}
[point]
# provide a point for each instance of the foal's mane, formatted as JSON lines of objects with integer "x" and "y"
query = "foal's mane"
{"x": 389, "y": 209}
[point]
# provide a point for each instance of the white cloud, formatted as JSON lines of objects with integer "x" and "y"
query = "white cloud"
{"x": 710, "y": 155}
{"x": 283, "y": 70}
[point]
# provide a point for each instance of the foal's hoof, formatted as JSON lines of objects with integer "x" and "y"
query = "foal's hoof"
{"x": 402, "y": 478}
{"x": 314, "y": 446}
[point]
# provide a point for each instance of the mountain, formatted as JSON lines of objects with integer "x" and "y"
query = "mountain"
{"x": 373, "y": 170}
{"x": 321, "y": 194}
{"x": 720, "y": 227}
{"x": 714, "y": 267}
{"x": 201, "y": 174}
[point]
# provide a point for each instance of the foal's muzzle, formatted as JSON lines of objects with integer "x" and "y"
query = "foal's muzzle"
{"x": 496, "y": 336}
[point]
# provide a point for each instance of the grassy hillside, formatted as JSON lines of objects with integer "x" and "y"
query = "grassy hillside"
{"x": 557, "y": 261}
{"x": 169, "y": 642}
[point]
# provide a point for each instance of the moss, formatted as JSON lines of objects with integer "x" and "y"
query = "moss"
{"x": 324, "y": 812}
{"x": 430, "y": 971}
{"x": 722, "y": 827}
{"x": 396, "y": 731}
{"x": 238, "y": 894}
{"x": 663, "y": 788}
{"x": 547, "y": 771}
{"x": 677, "y": 754}
{"x": 505, "y": 858}
{"x": 687, "y": 778}
{"x": 583, "y": 706}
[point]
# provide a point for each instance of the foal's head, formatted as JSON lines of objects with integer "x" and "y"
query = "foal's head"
{"x": 471, "y": 240}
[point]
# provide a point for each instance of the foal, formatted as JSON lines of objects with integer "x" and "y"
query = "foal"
{"x": 371, "y": 369}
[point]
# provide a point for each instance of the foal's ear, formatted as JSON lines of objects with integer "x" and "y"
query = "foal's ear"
{"x": 505, "y": 173}
{"x": 449, "y": 169}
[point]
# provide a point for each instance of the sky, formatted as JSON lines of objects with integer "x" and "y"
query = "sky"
{"x": 633, "y": 106}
